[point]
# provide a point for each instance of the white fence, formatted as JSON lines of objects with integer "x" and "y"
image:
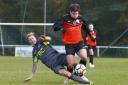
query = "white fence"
{"x": 108, "y": 47}
{"x": 26, "y": 50}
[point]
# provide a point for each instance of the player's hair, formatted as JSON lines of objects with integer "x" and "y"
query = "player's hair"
{"x": 30, "y": 34}
{"x": 74, "y": 7}
{"x": 90, "y": 24}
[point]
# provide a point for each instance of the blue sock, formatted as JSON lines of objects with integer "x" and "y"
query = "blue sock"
{"x": 79, "y": 79}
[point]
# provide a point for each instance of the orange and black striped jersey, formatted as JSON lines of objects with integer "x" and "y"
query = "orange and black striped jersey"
{"x": 72, "y": 29}
{"x": 89, "y": 41}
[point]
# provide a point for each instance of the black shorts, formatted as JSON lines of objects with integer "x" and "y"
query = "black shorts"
{"x": 74, "y": 48}
{"x": 92, "y": 47}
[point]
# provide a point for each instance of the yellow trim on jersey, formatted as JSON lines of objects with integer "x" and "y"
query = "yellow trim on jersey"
{"x": 39, "y": 53}
{"x": 46, "y": 43}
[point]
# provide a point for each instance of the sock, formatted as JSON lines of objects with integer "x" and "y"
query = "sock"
{"x": 83, "y": 62}
{"x": 74, "y": 71}
{"x": 70, "y": 70}
{"x": 91, "y": 59}
{"x": 79, "y": 79}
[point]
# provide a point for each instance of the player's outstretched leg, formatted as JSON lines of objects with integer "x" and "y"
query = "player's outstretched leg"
{"x": 64, "y": 72}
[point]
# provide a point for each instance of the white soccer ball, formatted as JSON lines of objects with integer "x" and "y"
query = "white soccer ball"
{"x": 80, "y": 69}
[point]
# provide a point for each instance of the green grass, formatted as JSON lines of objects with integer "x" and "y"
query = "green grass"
{"x": 108, "y": 71}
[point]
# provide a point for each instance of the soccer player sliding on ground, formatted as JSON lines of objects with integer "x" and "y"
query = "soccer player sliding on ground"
{"x": 54, "y": 60}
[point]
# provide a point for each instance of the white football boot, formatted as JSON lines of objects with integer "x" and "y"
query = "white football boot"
{"x": 85, "y": 78}
{"x": 66, "y": 81}
{"x": 91, "y": 65}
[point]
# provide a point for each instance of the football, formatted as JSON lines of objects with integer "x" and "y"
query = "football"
{"x": 80, "y": 69}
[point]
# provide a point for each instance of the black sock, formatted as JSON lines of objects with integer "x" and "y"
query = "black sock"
{"x": 91, "y": 59}
{"x": 70, "y": 70}
{"x": 83, "y": 62}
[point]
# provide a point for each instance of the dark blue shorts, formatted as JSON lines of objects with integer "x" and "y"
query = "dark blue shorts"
{"x": 60, "y": 63}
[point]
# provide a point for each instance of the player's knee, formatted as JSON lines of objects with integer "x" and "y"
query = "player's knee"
{"x": 61, "y": 71}
{"x": 84, "y": 58}
{"x": 71, "y": 63}
{"x": 64, "y": 72}
{"x": 91, "y": 52}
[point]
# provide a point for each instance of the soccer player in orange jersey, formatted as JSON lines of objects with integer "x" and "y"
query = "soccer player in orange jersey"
{"x": 71, "y": 26}
{"x": 91, "y": 45}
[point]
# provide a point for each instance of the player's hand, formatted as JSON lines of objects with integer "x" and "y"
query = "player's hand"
{"x": 42, "y": 37}
{"x": 63, "y": 30}
{"x": 92, "y": 38}
{"x": 29, "y": 78}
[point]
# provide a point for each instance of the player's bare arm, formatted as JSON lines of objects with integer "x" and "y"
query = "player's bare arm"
{"x": 34, "y": 68}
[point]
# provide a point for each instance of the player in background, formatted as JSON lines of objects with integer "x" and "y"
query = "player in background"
{"x": 43, "y": 51}
{"x": 71, "y": 26}
{"x": 91, "y": 44}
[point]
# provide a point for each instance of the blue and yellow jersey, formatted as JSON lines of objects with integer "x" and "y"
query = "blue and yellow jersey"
{"x": 45, "y": 53}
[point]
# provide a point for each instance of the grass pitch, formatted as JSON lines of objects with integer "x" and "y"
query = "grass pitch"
{"x": 107, "y": 71}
